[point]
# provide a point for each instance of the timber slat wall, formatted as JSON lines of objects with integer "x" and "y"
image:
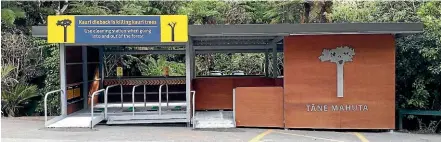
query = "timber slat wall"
{"x": 259, "y": 106}
{"x": 368, "y": 80}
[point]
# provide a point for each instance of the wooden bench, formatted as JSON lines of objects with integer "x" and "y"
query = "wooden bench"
{"x": 402, "y": 112}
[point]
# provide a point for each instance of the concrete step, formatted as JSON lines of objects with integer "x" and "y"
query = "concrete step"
{"x": 165, "y": 116}
{"x": 146, "y": 121}
{"x": 214, "y": 119}
{"x": 214, "y": 124}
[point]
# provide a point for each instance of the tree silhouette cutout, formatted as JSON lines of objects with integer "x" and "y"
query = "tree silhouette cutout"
{"x": 172, "y": 26}
{"x": 65, "y": 23}
{"x": 339, "y": 55}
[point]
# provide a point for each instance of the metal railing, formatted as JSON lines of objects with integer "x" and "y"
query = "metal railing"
{"x": 106, "y": 98}
{"x": 193, "y": 106}
{"x": 145, "y": 99}
{"x": 133, "y": 98}
{"x": 45, "y": 103}
{"x": 160, "y": 97}
{"x": 91, "y": 105}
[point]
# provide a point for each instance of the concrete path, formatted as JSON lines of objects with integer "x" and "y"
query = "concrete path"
{"x": 31, "y": 129}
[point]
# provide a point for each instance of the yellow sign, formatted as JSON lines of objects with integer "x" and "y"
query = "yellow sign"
{"x": 119, "y": 71}
{"x": 107, "y": 29}
{"x": 61, "y": 29}
{"x": 174, "y": 28}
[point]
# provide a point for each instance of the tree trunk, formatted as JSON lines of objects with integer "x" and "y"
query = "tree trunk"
{"x": 307, "y": 6}
{"x": 11, "y": 112}
{"x": 60, "y": 10}
{"x": 173, "y": 33}
{"x": 325, "y": 11}
{"x": 65, "y": 33}
{"x": 340, "y": 80}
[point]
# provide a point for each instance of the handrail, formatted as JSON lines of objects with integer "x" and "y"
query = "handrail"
{"x": 160, "y": 102}
{"x": 133, "y": 99}
{"x": 166, "y": 94}
{"x": 145, "y": 99}
{"x": 45, "y": 102}
{"x": 160, "y": 98}
{"x": 193, "y": 106}
{"x": 91, "y": 105}
{"x": 106, "y": 98}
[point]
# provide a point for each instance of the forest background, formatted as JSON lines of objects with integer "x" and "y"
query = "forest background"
{"x": 30, "y": 66}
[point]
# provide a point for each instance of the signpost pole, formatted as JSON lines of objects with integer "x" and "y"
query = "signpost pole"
{"x": 63, "y": 79}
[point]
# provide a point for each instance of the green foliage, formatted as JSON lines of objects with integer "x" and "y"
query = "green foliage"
{"x": 201, "y": 12}
{"x": 132, "y": 9}
{"x": 430, "y": 14}
{"x": 6, "y": 70}
{"x": 7, "y": 80}
{"x": 418, "y": 57}
{"x": 285, "y": 11}
{"x": 88, "y": 8}
{"x": 9, "y": 15}
{"x": 351, "y": 11}
{"x": 52, "y": 78}
{"x": 14, "y": 99}
{"x": 251, "y": 64}
{"x": 155, "y": 67}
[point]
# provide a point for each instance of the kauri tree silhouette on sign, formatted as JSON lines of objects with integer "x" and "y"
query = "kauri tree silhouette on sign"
{"x": 339, "y": 55}
{"x": 172, "y": 26}
{"x": 65, "y": 23}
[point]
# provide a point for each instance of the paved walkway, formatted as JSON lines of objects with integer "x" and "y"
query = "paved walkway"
{"x": 31, "y": 129}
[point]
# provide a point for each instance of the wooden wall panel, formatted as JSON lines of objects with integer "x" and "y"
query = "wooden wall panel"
{"x": 253, "y": 82}
{"x": 368, "y": 80}
{"x": 71, "y": 108}
{"x": 216, "y": 93}
{"x": 259, "y": 106}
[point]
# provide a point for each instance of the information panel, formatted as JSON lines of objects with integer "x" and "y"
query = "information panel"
{"x": 117, "y": 29}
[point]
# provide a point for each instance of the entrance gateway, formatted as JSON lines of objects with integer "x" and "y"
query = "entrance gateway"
{"x": 335, "y": 76}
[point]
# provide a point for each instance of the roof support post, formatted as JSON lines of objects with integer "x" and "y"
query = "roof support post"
{"x": 63, "y": 98}
{"x": 101, "y": 66}
{"x": 85, "y": 75}
{"x": 273, "y": 45}
{"x": 274, "y": 63}
{"x": 266, "y": 63}
{"x": 192, "y": 61}
{"x": 188, "y": 70}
